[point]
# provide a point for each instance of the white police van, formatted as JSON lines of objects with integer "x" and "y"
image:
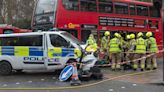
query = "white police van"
{"x": 37, "y": 50}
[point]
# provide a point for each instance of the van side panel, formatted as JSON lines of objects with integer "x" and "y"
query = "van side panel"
{"x": 23, "y": 57}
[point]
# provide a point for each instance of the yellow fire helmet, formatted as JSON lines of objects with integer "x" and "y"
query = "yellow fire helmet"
{"x": 149, "y": 34}
{"x": 116, "y": 35}
{"x": 132, "y": 36}
{"x": 107, "y": 33}
{"x": 139, "y": 34}
{"x": 128, "y": 37}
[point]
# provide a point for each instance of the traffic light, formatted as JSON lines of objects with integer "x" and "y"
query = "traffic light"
{"x": 157, "y": 4}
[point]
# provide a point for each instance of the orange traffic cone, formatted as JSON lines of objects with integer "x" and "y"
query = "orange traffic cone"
{"x": 75, "y": 79}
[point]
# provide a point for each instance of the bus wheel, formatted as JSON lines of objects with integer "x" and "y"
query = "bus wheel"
{"x": 5, "y": 68}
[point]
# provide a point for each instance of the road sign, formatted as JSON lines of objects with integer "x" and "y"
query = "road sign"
{"x": 66, "y": 73}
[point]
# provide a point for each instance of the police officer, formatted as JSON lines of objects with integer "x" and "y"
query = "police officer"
{"x": 90, "y": 41}
{"x": 115, "y": 49}
{"x": 151, "y": 49}
{"x": 140, "y": 51}
{"x": 92, "y": 37}
{"x": 91, "y": 45}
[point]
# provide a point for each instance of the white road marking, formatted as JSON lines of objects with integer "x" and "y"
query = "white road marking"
{"x": 134, "y": 84}
{"x": 4, "y": 85}
{"x": 53, "y": 77}
{"x": 42, "y": 79}
{"x": 111, "y": 90}
{"x": 29, "y": 81}
{"x": 17, "y": 83}
{"x": 122, "y": 87}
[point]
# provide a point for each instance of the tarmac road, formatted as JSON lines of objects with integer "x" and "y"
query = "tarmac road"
{"x": 135, "y": 83}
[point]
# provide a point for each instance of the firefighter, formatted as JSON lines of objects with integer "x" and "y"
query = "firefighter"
{"x": 105, "y": 41}
{"x": 151, "y": 49}
{"x": 104, "y": 45}
{"x": 140, "y": 51}
{"x": 126, "y": 48}
{"x": 132, "y": 44}
{"x": 115, "y": 50}
{"x": 123, "y": 48}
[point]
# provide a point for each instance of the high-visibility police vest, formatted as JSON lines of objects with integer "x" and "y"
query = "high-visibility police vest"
{"x": 153, "y": 45}
{"x": 92, "y": 48}
{"x": 90, "y": 41}
{"x": 140, "y": 45}
{"x": 114, "y": 45}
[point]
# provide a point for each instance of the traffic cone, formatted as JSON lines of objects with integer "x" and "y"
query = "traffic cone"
{"x": 75, "y": 79}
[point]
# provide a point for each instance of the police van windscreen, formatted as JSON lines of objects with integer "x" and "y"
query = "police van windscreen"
{"x": 71, "y": 37}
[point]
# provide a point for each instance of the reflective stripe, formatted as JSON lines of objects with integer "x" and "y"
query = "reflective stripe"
{"x": 153, "y": 47}
{"x": 140, "y": 46}
{"x": 54, "y": 52}
{"x": 114, "y": 45}
{"x": 21, "y": 51}
{"x": 8, "y": 50}
{"x": 35, "y": 51}
{"x": 63, "y": 52}
{"x": 77, "y": 52}
{"x": 67, "y": 52}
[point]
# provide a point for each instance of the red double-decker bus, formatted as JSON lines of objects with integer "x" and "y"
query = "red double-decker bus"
{"x": 9, "y": 29}
{"x": 82, "y": 17}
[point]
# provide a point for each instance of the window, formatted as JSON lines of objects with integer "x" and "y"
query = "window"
{"x": 45, "y": 13}
{"x": 154, "y": 12}
{"x": 142, "y": 10}
{"x": 121, "y": 8}
{"x": 22, "y": 41}
{"x": 88, "y": 5}
{"x": 71, "y": 4}
{"x": 45, "y": 6}
{"x": 132, "y": 9}
{"x": 8, "y": 41}
{"x": 33, "y": 40}
{"x": 106, "y": 7}
{"x": 58, "y": 41}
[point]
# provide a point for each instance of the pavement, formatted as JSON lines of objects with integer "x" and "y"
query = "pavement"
{"x": 114, "y": 81}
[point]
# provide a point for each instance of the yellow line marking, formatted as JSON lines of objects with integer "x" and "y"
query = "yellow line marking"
{"x": 76, "y": 87}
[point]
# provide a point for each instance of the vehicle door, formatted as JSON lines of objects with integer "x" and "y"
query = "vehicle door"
{"x": 59, "y": 51}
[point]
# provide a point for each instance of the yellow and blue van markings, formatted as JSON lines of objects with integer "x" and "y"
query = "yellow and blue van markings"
{"x": 36, "y": 51}
{"x": 67, "y": 52}
{"x": 21, "y": 51}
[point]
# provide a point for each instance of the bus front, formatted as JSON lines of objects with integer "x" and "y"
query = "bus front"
{"x": 44, "y": 15}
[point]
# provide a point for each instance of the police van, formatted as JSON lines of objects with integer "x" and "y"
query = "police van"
{"x": 37, "y": 50}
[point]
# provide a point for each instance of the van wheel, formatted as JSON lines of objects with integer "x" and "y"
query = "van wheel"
{"x": 5, "y": 68}
{"x": 19, "y": 71}
{"x": 96, "y": 73}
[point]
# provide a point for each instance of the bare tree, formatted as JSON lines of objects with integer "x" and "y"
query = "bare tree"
{"x": 16, "y": 12}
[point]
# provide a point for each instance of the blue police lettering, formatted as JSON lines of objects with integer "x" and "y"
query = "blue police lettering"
{"x": 33, "y": 59}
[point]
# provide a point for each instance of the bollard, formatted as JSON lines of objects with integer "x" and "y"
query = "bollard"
{"x": 75, "y": 79}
